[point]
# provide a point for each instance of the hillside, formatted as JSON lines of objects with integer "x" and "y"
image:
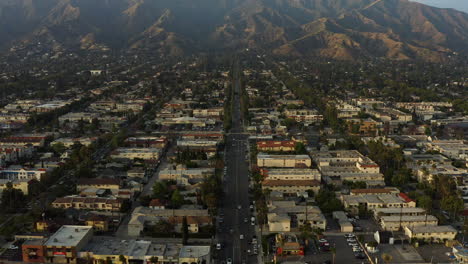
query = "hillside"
{"x": 340, "y": 29}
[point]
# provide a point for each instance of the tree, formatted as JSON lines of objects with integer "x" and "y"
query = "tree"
{"x": 122, "y": 259}
{"x": 163, "y": 227}
{"x": 425, "y": 201}
{"x": 300, "y": 148}
{"x": 452, "y": 203}
{"x": 185, "y": 232}
{"x": 177, "y": 199}
{"x": 59, "y": 148}
{"x": 160, "y": 190}
{"x": 154, "y": 259}
{"x": 12, "y": 199}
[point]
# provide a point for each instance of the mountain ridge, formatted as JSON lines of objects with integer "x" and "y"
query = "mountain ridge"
{"x": 338, "y": 29}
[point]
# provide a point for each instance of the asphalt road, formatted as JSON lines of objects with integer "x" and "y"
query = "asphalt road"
{"x": 236, "y": 222}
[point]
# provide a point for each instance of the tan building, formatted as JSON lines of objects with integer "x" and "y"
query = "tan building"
{"x": 370, "y": 202}
{"x": 395, "y": 223}
{"x": 431, "y": 233}
{"x": 283, "y": 161}
{"x": 97, "y": 183}
{"x": 136, "y": 153}
{"x": 347, "y": 165}
{"x": 88, "y": 203}
{"x": 291, "y": 186}
{"x": 280, "y": 211}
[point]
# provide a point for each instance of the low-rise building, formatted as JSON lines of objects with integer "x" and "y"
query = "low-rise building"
{"x": 283, "y": 161}
{"x": 395, "y": 223}
{"x": 431, "y": 233}
{"x": 20, "y": 173}
{"x": 98, "y": 183}
{"x": 136, "y": 153}
{"x": 63, "y": 246}
{"x": 345, "y": 225}
{"x": 286, "y": 216}
{"x": 347, "y": 165}
{"x": 370, "y": 202}
{"x": 276, "y": 145}
{"x": 89, "y": 203}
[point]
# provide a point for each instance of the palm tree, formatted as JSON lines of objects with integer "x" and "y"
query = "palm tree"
{"x": 333, "y": 251}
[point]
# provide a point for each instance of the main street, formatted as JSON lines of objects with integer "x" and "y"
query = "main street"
{"x": 236, "y": 232}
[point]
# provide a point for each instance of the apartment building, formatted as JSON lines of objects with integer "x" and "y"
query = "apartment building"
{"x": 186, "y": 177}
{"x": 69, "y": 142}
{"x": 395, "y": 223}
{"x": 431, "y": 233}
{"x": 146, "y": 142}
{"x": 306, "y": 116}
{"x": 371, "y": 202}
{"x": 276, "y": 145}
{"x": 350, "y": 165}
{"x": 136, "y": 153}
{"x": 98, "y": 183}
{"x": 283, "y": 161}
{"x": 89, "y": 203}
{"x": 286, "y": 216}
{"x": 22, "y": 173}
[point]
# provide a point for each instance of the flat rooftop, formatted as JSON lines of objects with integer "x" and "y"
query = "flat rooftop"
{"x": 68, "y": 236}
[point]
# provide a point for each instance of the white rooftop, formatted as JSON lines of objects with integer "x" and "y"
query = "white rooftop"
{"x": 68, "y": 236}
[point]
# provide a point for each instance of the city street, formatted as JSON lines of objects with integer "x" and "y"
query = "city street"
{"x": 236, "y": 232}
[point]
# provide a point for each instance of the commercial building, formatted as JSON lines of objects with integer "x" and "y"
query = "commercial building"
{"x": 63, "y": 246}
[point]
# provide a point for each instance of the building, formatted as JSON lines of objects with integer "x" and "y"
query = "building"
{"x": 386, "y": 190}
{"x": 33, "y": 251}
{"x": 395, "y": 223}
{"x": 286, "y": 216}
{"x": 288, "y": 244}
{"x": 186, "y": 177}
{"x": 144, "y": 216}
{"x": 345, "y": 225}
{"x": 431, "y": 233}
{"x": 403, "y": 211}
{"x": 63, "y": 246}
{"x": 98, "y": 183}
{"x": 20, "y": 173}
{"x": 70, "y": 142}
{"x": 306, "y": 116}
{"x": 370, "y": 202}
{"x": 276, "y": 145}
{"x": 136, "y": 153}
{"x": 283, "y": 161}
{"x": 99, "y": 223}
{"x": 89, "y": 203}
{"x": 22, "y": 185}
{"x": 146, "y": 142}
{"x": 348, "y": 165}
{"x": 291, "y": 186}
{"x": 35, "y": 140}
{"x": 142, "y": 251}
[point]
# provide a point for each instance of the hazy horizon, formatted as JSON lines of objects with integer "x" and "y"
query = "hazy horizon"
{"x": 461, "y": 5}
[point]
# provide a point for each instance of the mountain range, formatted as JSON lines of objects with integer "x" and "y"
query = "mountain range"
{"x": 339, "y": 29}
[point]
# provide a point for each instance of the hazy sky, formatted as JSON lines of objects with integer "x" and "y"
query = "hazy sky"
{"x": 457, "y": 4}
